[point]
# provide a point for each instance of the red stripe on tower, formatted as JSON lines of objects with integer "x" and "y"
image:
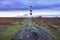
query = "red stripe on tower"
{"x": 30, "y": 10}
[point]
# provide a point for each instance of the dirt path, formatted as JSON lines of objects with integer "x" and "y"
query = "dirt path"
{"x": 32, "y": 32}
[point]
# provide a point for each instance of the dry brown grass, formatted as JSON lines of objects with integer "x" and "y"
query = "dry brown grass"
{"x": 50, "y": 22}
{"x": 9, "y": 21}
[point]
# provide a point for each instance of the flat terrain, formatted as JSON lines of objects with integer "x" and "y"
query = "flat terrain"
{"x": 50, "y": 24}
{"x": 9, "y": 21}
{"x": 33, "y": 32}
{"x": 9, "y": 32}
{"x": 9, "y": 28}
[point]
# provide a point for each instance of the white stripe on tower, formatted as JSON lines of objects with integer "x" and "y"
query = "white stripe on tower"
{"x": 30, "y": 10}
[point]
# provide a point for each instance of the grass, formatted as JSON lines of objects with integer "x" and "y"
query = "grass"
{"x": 56, "y": 33}
{"x": 10, "y": 31}
{"x": 52, "y": 31}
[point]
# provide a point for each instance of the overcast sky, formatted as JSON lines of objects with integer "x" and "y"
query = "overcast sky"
{"x": 24, "y": 4}
{"x": 52, "y": 7}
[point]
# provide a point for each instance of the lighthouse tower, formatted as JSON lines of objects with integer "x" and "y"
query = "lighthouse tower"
{"x": 30, "y": 10}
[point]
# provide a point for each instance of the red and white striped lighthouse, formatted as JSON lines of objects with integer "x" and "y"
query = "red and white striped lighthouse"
{"x": 30, "y": 10}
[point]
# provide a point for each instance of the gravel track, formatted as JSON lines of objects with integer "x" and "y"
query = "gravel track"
{"x": 32, "y": 32}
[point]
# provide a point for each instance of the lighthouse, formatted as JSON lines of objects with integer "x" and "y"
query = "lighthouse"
{"x": 30, "y": 10}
